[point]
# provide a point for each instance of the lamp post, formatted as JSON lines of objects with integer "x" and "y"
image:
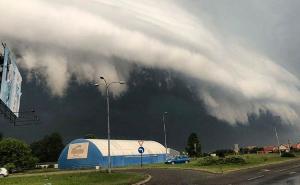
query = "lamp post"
{"x": 165, "y": 132}
{"x": 107, "y": 85}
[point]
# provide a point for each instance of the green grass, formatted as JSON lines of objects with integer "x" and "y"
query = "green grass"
{"x": 87, "y": 178}
{"x": 252, "y": 160}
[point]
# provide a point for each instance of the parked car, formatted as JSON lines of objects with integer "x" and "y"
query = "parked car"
{"x": 178, "y": 159}
{"x": 3, "y": 172}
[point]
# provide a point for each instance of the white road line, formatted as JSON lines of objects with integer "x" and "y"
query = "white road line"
{"x": 257, "y": 177}
{"x": 266, "y": 170}
{"x": 291, "y": 173}
{"x": 281, "y": 170}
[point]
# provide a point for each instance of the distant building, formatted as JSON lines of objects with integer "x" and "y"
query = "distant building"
{"x": 90, "y": 153}
{"x": 284, "y": 148}
{"x": 296, "y": 146}
{"x": 269, "y": 149}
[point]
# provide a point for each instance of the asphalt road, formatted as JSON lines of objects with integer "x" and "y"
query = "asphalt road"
{"x": 279, "y": 174}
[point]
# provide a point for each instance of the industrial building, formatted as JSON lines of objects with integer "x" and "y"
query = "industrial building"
{"x": 88, "y": 153}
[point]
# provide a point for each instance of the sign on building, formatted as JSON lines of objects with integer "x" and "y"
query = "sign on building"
{"x": 78, "y": 151}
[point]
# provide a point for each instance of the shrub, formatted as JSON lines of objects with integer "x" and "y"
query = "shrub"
{"x": 10, "y": 167}
{"x": 234, "y": 160}
{"x": 207, "y": 161}
{"x": 287, "y": 154}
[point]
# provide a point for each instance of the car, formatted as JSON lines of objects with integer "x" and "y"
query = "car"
{"x": 3, "y": 172}
{"x": 178, "y": 159}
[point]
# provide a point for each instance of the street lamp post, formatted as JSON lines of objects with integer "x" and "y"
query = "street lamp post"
{"x": 107, "y": 85}
{"x": 165, "y": 131}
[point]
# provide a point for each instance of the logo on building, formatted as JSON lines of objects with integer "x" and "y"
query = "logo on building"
{"x": 78, "y": 151}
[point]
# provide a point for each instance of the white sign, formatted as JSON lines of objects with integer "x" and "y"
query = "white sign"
{"x": 78, "y": 151}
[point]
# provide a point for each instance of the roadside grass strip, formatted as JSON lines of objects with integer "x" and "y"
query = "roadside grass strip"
{"x": 90, "y": 178}
{"x": 250, "y": 161}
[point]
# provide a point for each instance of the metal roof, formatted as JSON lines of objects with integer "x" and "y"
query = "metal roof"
{"x": 127, "y": 147}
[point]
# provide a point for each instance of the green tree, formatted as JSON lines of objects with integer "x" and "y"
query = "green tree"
{"x": 90, "y": 136}
{"x": 49, "y": 148}
{"x": 193, "y": 147}
{"x": 17, "y": 153}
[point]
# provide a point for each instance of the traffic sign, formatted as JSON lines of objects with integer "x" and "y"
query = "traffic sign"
{"x": 141, "y": 149}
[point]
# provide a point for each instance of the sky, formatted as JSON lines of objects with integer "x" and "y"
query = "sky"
{"x": 240, "y": 56}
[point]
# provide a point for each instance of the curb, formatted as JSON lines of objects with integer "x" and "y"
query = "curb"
{"x": 144, "y": 181}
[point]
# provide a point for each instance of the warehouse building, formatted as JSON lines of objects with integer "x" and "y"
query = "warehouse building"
{"x": 88, "y": 153}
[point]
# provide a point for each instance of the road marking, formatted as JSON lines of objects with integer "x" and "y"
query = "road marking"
{"x": 266, "y": 170}
{"x": 257, "y": 177}
{"x": 281, "y": 170}
{"x": 291, "y": 173}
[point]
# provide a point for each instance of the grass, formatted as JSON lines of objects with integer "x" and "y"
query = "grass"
{"x": 86, "y": 178}
{"x": 252, "y": 160}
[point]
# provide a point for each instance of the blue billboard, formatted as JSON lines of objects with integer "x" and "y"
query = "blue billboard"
{"x": 11, "y": 81}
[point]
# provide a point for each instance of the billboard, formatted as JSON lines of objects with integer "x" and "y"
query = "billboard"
{"x": 11, "y": 81}
{"x": 78, "y": 151}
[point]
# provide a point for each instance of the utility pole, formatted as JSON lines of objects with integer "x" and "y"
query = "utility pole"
{"x": 277, "y": 141}
{"x": 165, "y": 132}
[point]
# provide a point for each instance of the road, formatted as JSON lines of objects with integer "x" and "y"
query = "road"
{"x": 278, "y": 174}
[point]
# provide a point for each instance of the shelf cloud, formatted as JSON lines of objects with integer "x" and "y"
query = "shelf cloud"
{"x": 59, "y": 40}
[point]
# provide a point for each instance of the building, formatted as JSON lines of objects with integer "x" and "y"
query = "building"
{"x": 269, "y": 149}
{"x": 284, "y": 148}
{"x": 296, "y": 147}
{"x": 89, "y": 153}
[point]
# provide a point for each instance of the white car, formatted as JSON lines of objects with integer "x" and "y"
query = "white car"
{"x": 3, "y": 172}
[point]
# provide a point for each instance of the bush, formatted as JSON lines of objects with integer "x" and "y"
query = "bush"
{"x": 234, "y": 160}
{"x": 207, "y": 161}
{"x": 10, "y": 167}
{"x": 286, "y": 154}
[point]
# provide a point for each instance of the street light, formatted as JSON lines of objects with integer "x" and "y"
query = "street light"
{"x": 165, "y": 132}
{"x": 107, "y": 85}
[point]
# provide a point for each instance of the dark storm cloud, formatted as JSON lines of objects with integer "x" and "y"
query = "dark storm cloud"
{"x": 136, "y": 114}
{"x": 227, "y": 46}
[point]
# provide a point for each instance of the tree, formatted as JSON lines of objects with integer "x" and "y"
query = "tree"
{"x": 16, "y": 153}
{"x": 90, "y": 136}
{"x": 193, "y": 146}
{"x": 1, "y": 136}
{"x": 49, "y": 148}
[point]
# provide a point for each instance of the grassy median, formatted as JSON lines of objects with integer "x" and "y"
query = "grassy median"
{"x": 86, "y": 178}
{"x": 250, "y": 161}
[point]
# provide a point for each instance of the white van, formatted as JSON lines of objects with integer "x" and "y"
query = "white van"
{"x": 3, "y": 172}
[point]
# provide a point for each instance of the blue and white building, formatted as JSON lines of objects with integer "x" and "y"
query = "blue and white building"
{"x": 89, "y": 153}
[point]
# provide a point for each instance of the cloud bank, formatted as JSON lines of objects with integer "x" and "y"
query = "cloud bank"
{"x": 82, "y": 39}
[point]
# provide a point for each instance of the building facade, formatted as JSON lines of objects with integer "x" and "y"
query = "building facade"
{"x": 89, "y": 153}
